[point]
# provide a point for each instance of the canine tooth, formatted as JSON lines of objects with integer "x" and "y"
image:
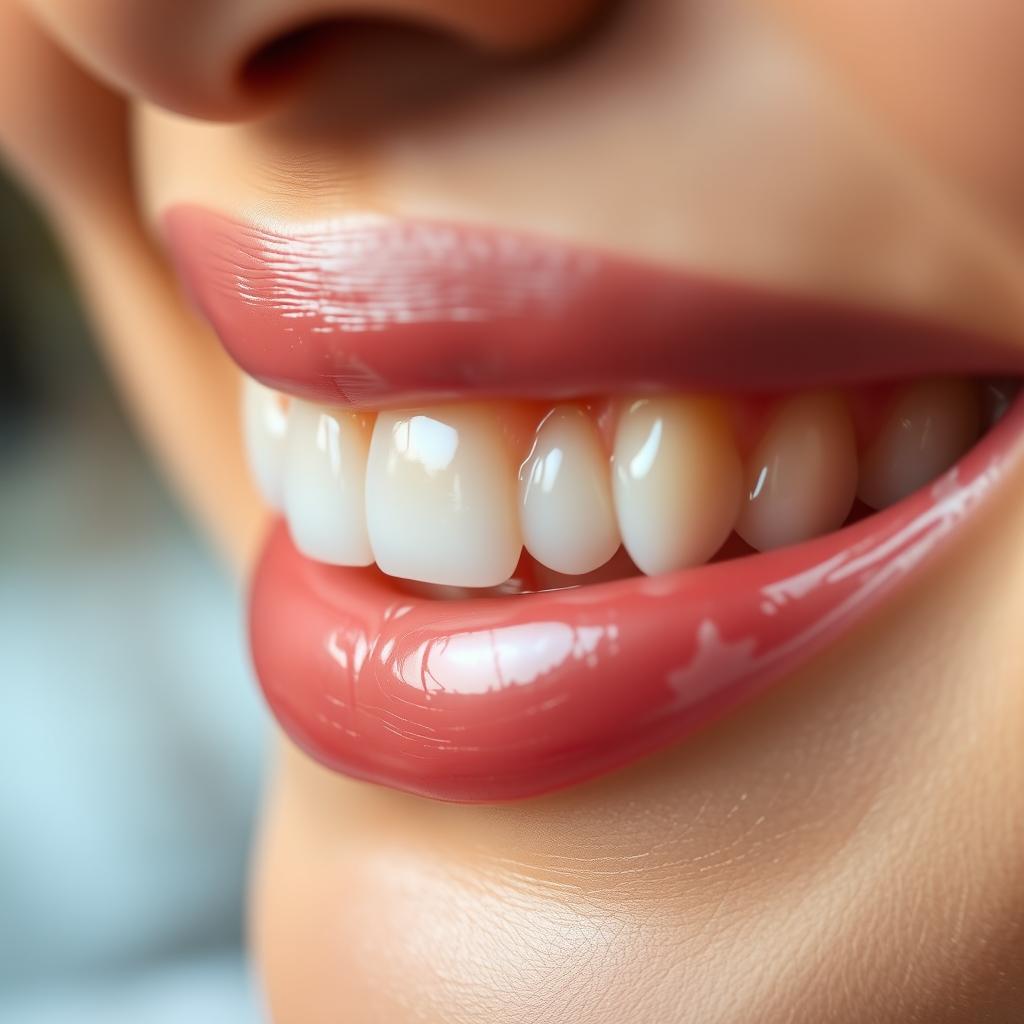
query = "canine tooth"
{"x": 677, "y": 481}
{"x": 265, "y": 428}
{"x": 324, "y": 483}
{"x": 565, "y": 495}
{"x": 441, "y": 496}
{"x": 931, "y": 424}
{"x": 802, "y": 475}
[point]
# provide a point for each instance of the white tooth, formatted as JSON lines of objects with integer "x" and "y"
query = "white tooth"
{"x": 565, "y": 495}
{"x": 441, "y": 496}
{"x": 324, "y": 483}
{"x": 265, "y": 428}
{"x": 802, "y": 476}
{"x": 677, "y": 480}
{"x": 931, "y": 424}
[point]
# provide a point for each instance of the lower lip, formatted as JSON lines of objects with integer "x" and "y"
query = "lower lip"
{"x": 497, "y": 699}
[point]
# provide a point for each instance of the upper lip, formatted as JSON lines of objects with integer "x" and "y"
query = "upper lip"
{"x": 499, "y": 698}
{"x": 374, "y": 311}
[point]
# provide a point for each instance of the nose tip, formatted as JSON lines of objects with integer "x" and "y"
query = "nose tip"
{"x": 198, "y": 57}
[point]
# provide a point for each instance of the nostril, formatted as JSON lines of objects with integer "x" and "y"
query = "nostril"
{"x": 377, "y": 69}
{"x": 284, "y": 57}
{"x": 403, "y": 61}
{"x": 367, "y": 71}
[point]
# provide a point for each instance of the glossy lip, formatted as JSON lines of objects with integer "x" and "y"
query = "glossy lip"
{"x": 493, "y": 698}
{"x": 375, "y": 311}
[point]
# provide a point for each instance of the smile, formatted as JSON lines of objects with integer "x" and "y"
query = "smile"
{"x": 546, "y": 510}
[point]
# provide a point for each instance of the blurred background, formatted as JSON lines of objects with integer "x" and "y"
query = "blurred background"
{"x": 130, "y": 730}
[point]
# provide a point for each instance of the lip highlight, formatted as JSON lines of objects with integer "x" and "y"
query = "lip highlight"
{"x": 499, "y": 698}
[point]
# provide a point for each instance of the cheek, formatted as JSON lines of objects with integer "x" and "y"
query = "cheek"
{"x": 947, "y": 76}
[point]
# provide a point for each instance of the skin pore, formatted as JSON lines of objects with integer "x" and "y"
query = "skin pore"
{"x": 847, "y": 848}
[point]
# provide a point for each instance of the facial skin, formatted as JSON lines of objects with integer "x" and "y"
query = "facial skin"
{"x": 848, "y": 848}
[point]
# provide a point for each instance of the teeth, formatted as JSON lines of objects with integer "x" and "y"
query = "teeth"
{"x": 566, "y": 509}
{"x": 802, "y": 476}
{"x": 324, "y": 480}
{"x": 265, "y": 428}
{"x": 931, "y": 424}
{"x": 677, "y": 479}
{"x": 441, "y": 496}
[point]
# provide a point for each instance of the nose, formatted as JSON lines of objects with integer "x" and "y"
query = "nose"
{"x": 194, "y": 56}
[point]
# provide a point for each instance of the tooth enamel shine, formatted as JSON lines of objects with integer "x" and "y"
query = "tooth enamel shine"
{"x": 678, "y": 481}
{"x": 448, "y": 495}
{"x": 565, "y": 495}
{"x": 265, "y": 430}
{"x": 441, "y": 496}
{"x": 324, "y": 483}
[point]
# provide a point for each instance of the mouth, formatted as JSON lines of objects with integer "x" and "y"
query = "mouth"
{"x": 549, "y": 510}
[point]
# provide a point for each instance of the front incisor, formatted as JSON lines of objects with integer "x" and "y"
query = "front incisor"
{"x": 441, "y": 496}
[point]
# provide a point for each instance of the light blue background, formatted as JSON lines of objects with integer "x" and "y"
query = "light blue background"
{"x": 130, "y": 743}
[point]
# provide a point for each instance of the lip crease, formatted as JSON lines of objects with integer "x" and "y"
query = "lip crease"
{"x": 500, "y": 698}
